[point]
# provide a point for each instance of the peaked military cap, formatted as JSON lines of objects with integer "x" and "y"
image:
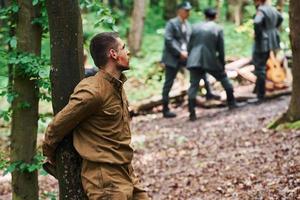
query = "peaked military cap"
{"x": 185, "y": 5}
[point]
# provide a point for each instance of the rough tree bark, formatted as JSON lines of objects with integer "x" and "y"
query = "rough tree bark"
{"x": 66, "y": 40}
{"x": 293, "y": 112}
{"x": 25, "y": 119}
{"x": 137, "y": 26}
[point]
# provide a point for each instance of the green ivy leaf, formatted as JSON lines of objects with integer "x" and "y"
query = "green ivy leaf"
{"x": 12, "y": 167}
{"x": 35, "y": 2}
{"x": 13, "y": 42}
{"x": 31, "y": 168}
{"x": 15, "y": 8}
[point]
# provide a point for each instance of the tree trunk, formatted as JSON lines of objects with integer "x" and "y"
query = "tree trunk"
{"x": 294, "y": 107}
{"x": 137, "y": 26}
{"x": 66, "y": 40}
{"x": 10, "y": 25}
{"x": 218, "y": 8}
{"x": 235, "y": 10}
{"x": 195, "y": 4}
{"x": 25, "y": 119}
{"x": 169, "y": 9}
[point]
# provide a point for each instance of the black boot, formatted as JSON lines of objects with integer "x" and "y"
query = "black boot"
{"x": 166, "y": 111}
{"x": 192, "y": 105}
{"x": 231, "y": 102}
{"x": 209, "y": 95}
{"x": 260, "y": 91}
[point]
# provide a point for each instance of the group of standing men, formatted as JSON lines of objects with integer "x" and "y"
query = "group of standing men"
{"x": 200, "y": 48}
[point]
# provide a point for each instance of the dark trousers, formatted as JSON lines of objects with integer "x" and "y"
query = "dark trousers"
{"x": 196, "y": 74}
{"x": 260, "y": 60}
{"x": 170, "y": 75}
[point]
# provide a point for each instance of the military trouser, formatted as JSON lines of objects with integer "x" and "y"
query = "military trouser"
{"x": 260, "y": 60}
{"x": 110, "y": 182}
{"x": 196, "y": 74}
{"x": 170, "y": 75}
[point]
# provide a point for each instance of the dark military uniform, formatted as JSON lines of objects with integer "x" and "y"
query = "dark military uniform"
{"x": 97, "y": 113}
{"x": 177, "y": 35}
{"x": 266, "y": 23}
{"x": 206, "y": 54}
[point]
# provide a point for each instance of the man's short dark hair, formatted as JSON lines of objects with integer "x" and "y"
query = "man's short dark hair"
{"x": 100, "y": 46}
{"x": 210, "y": 13}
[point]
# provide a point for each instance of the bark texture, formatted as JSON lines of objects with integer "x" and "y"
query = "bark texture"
{"x": 294, "y": 107}
{"x": 137, "y": 26}
{"x": 25, "y": 119}
{"x": 66, "y": 40}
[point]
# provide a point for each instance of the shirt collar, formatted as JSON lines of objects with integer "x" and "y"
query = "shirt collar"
{"x": 117, "y": 83}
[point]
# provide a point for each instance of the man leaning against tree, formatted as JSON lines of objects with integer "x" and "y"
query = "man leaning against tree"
{"x": 97, "y": 114}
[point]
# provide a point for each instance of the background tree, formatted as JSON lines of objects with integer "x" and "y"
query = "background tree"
{"x": 169, "y": 10}
{"x": 235, "y": 10}
{"x": 137, "y": 26}
{"x": 195, "y": 4}
{"x": 280, "y": 5}
{"x": 293, "y": 112}
{"x": 65, "y": 26}
{"x": 25, "y": 104}
{"x": 7, "y": 25}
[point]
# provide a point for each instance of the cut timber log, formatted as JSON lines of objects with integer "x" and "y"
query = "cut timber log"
{"x": 149, "y": 104}
{"x": 238, "y": 64}
{"x": 242, "y": 93}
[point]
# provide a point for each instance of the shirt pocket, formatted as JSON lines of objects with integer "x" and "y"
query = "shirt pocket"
{"x": 113, "y": 112}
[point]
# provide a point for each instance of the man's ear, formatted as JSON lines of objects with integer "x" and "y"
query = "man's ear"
{"x": 113, "y": 54}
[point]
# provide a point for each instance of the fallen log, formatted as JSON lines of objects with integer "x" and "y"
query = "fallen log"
{"x": 242, "y": 94}
{"x": 147, "y": 105}
{"x": 238, "y": 64}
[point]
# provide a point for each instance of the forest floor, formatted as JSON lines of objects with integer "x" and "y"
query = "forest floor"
{"x": 223, "y": 155}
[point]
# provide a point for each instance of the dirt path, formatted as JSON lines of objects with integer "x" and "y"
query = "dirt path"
{"x": 223, "y": 155}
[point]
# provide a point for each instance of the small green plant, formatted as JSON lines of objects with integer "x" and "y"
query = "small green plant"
{"x": 22, "y": 166}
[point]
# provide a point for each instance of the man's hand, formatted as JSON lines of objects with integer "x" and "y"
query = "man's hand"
{"x": 183, "y": 55}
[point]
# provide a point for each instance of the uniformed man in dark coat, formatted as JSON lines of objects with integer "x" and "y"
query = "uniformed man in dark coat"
{"x": 206, "y": 54}
{"x": 177, "y": 35}
{"x": 266, "y": 23}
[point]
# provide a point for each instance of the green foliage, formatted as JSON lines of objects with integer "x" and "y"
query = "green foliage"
{"x": 22, "y": 166}
{"x": 33, "y": 67}
{"x": 42, "y": 20}
{"x": 3, "y": 161}
{"x": 289, "y": 126}
{"x": 49, "y": 195}
{"x": 27, "y": 65}
{"x": 101, "y": 12}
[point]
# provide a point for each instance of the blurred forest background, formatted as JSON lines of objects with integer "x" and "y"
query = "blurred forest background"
{"x": 140, "y": 22}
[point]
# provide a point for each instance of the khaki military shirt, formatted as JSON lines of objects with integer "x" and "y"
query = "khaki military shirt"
{"x": 97, "y": 113}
